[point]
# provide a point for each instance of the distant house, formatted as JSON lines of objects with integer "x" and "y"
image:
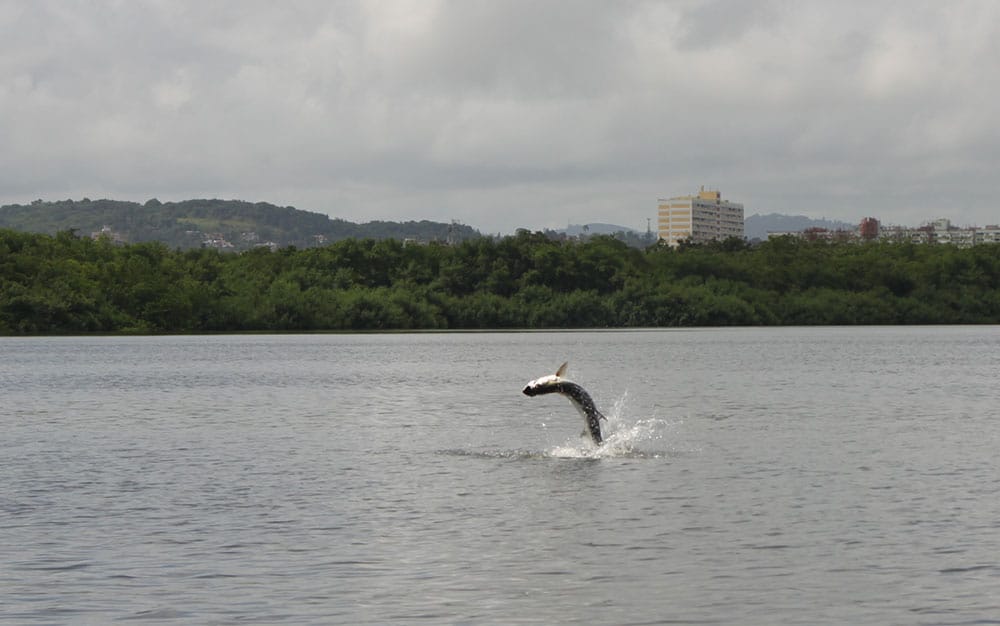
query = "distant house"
{"x": 107, "y": 232}
{"x": 217, "y": 241}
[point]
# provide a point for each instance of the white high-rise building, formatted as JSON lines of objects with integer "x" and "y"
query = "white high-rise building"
{"x": 698, "y": 219}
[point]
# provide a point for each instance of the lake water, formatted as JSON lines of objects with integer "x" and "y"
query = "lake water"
{"x": 751, "y": 476}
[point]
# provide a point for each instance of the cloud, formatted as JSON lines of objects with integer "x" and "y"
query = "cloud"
{"x": 506, "y": 114}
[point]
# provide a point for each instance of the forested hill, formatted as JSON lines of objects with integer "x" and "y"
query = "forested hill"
{"x": 758, "y": 226}
{"x": 223, "y": 224}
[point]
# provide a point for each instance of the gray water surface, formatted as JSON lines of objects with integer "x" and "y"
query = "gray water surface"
{"x": 751, "y": 476}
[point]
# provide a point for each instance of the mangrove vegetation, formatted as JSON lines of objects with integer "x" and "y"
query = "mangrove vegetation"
{"x": 64, "y": 283}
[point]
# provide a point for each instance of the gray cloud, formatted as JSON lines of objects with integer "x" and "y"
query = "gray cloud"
{"x": 506, "y": 114}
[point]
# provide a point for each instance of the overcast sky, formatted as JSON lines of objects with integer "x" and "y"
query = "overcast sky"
{"x": 505, "y": 113}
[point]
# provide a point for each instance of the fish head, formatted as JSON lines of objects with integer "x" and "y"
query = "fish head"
{"x": 545, "y": 384}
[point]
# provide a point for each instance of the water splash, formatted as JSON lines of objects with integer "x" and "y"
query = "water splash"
{"x": 642, "y": 438}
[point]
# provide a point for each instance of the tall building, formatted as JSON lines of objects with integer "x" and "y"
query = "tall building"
{"x": 868, "y": 229}
{"x": 700, "y": 218}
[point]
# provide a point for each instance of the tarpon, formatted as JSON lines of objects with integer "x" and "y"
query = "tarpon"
{"x": 555, "y": 383}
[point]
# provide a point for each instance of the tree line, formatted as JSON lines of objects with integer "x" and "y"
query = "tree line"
{"x": 68, "y": 284}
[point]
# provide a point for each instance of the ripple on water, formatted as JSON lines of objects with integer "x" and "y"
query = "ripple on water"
{"x": 779, "y": 476}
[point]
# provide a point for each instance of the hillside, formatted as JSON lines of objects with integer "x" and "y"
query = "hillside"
{"x": 224, "y": 224}
{"x": 575, "y": 230}
{"x": 758, "y": 226}
{"x": 631, "y": 237}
